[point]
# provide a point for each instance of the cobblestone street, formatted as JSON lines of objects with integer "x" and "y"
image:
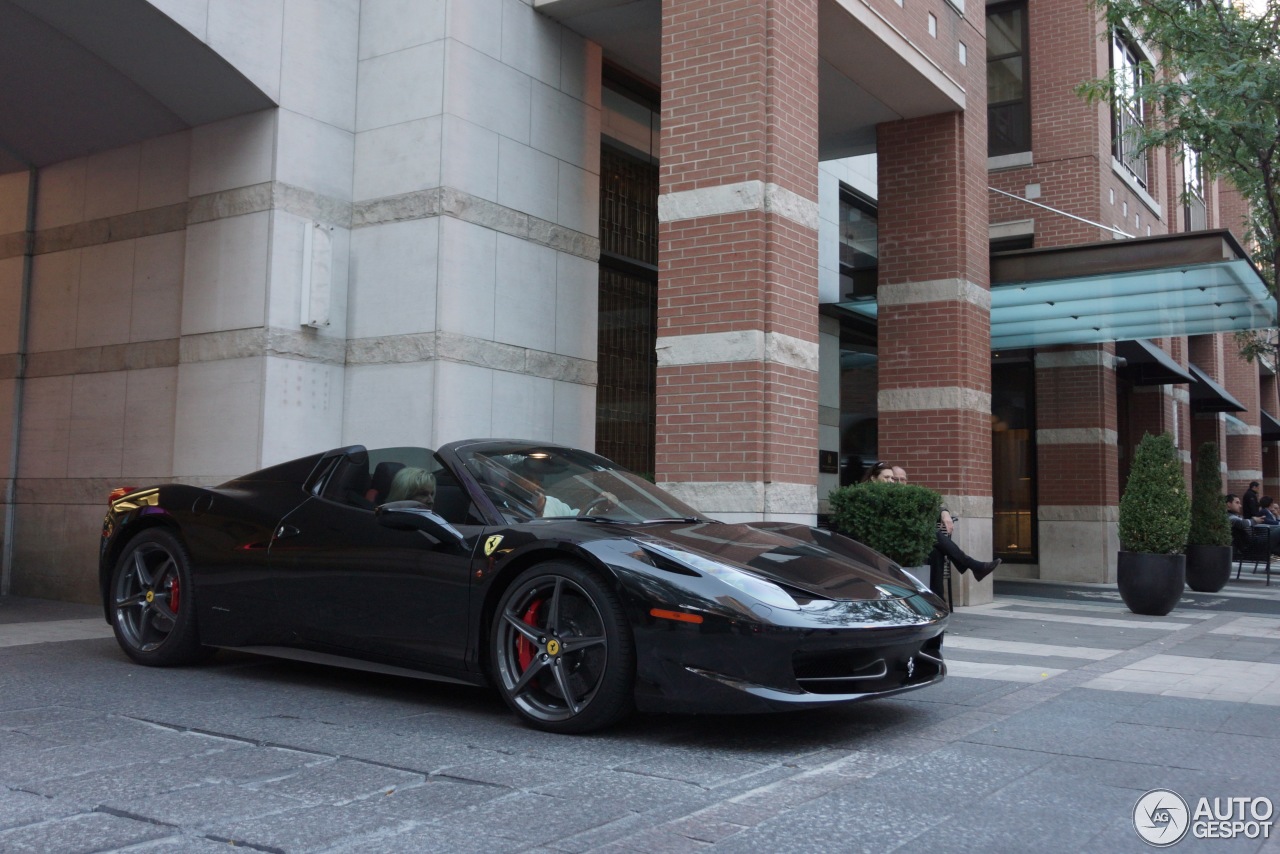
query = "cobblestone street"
{"x": 1061, "y": 709}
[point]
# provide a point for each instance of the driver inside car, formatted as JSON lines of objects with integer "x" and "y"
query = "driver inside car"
{"x": 535, "y": 470}
{"x": 413, "y": 484}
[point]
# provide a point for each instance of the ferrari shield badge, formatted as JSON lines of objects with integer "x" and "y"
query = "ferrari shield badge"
{"x": 491, "y": 544}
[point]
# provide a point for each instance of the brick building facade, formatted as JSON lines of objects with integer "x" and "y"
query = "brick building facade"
{"x": 744, "y": 245}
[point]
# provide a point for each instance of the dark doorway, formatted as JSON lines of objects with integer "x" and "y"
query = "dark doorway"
{"x": 1013, "y": 456}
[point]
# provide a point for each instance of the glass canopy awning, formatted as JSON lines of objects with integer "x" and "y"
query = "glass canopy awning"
{"x": 1156, "y": 287}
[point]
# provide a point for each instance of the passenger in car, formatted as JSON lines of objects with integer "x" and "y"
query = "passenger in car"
{"x": 413, "y": 484}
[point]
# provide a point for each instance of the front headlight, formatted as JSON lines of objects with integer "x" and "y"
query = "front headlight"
{"x": 757, "y": 588}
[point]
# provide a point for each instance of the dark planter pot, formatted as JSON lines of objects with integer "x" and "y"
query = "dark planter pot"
{"x": 1150, "y": 584}
{"x": 1208, "y": 568}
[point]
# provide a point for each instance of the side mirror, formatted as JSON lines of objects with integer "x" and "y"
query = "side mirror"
{"x": 414, "y": 516}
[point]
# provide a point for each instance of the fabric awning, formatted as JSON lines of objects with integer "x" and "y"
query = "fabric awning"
{"x": 1147, "y": 364}
{"x": 1208, "y": 396}
{"x": 1270, "y": 427}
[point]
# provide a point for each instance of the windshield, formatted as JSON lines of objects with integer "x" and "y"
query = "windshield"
{"x": 527, "y": 482}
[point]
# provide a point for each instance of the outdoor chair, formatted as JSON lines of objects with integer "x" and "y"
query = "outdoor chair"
{"x": 1252, "y": 545}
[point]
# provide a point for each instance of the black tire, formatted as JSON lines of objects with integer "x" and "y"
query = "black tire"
{"x": 562, "y": 653}
{"x": 153, "y": 602}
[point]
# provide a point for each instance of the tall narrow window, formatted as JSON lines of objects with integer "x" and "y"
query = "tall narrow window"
{"x": 1008, "y": 100}
{"x": 1128, "y": 116}
{"x": 1013, "y": 456}
{"x": 1193, "y": 206}
{"x": 859, "y": 253}
{"x": 626, "y": 389}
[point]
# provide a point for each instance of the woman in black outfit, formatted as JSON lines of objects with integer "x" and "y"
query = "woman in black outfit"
{"x": 946, "y": 549}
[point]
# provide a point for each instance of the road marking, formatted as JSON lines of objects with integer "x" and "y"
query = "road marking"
{"x": 1202, "y": 678}
{"x": 1253, "y": 627}
{"x": 954, "y": 641}
{"x": 1093, "y": 607}
{"x": 53, "y": 631}
{"x": 997, "y": 610}
{"x": 1001, "y": 672}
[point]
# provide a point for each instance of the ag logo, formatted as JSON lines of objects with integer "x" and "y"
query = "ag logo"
{"x": 491, "y": 544}
{"x": 553, "y": 647}
{"x": 1161, "y": 817}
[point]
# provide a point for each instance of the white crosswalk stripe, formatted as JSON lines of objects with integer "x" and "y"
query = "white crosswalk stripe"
{"x": 1001, "y": 672}
{"x": 954, "y": 642}
{"x": 1202, "y": 678}
{"x": 52, "y": 631}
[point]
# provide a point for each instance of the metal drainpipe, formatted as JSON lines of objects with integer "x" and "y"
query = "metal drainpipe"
{"x": 15, "y": 424}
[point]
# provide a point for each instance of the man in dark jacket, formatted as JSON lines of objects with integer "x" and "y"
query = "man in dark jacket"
{"x": 1249, "y": 501}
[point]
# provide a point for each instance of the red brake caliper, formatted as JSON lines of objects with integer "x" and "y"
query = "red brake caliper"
{"x": 524, "y": 646}
{"x": 174, "y": 592}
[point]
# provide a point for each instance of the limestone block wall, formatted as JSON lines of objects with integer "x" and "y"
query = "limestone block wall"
{"x": 164, "y": 336}
{"x": 101, "y": 368}
{"x": 447, "y": 155}
{"x": 475, "y": 227}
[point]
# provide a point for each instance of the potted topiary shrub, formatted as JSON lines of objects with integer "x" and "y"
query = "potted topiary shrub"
{"x": 898, "y": 520}
{"x": 1155, "y": 514}
{"x": 1209, "y": 540}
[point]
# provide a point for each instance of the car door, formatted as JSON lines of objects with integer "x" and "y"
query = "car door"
{"x": 348, "y": 585}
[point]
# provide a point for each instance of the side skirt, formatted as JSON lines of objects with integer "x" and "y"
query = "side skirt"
{"x": 331, "y": 660}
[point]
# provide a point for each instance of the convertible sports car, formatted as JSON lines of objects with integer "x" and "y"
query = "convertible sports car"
{"x": 578, "y": 589}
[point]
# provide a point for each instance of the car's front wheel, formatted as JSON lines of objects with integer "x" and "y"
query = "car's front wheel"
{"x": 563, "y": 654}
{"x": 153, "y": 601}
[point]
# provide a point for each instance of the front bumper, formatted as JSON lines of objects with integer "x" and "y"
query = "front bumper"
{"x": 755, "y": 668}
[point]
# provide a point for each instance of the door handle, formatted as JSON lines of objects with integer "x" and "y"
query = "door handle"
{"x": 286, "y": 531}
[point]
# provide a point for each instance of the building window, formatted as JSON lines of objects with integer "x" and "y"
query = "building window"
{"x": 1013, "y": 456}
{"x": 859, "y": 411}
{"x": 859, "y": 364}
{"x": 1194, "y": 216}
{"x": 626, "y": 391}
{"x": 859, "y": 246}
{"x": 1128, "y": 116}
{"x": 1008, "y": 99}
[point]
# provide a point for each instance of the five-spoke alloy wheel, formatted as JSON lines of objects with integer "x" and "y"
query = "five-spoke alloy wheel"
{"x": 563, "y": 654}
{"x": 152, "y": 601}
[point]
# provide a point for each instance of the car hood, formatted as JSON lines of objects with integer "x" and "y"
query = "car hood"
{"x": 810, "y": 559}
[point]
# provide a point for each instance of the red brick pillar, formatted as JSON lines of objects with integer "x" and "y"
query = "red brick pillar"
{"x": 1244, "y": 430}
{"x": 1157, "y": 409}
{"x": 1077, "y": 463}
{"x": 737, "y": 397}
{"x": 1205, "y": 352}
{"x": 934, "y": 325}
{"x": 1179, "y": 349}
{"x": 1269, "y": 403}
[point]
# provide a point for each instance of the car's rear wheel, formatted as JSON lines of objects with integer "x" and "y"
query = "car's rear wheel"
{"x": 153, "y": 601}
{"x": 563, "y": 655}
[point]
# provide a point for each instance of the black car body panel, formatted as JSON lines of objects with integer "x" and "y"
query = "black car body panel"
{"x": 310, "y": 557}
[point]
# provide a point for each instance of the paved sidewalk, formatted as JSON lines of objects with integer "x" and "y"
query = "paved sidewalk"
{"x": 1060, "y": 711}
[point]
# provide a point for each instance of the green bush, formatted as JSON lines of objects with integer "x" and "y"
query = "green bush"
{"x": 1155, "y": 512}
{"x": 897, "y": 520}
{"x": 1209, "y": 525}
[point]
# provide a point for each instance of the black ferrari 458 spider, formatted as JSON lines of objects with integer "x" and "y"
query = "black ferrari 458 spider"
{"x": 578, "y": 589}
